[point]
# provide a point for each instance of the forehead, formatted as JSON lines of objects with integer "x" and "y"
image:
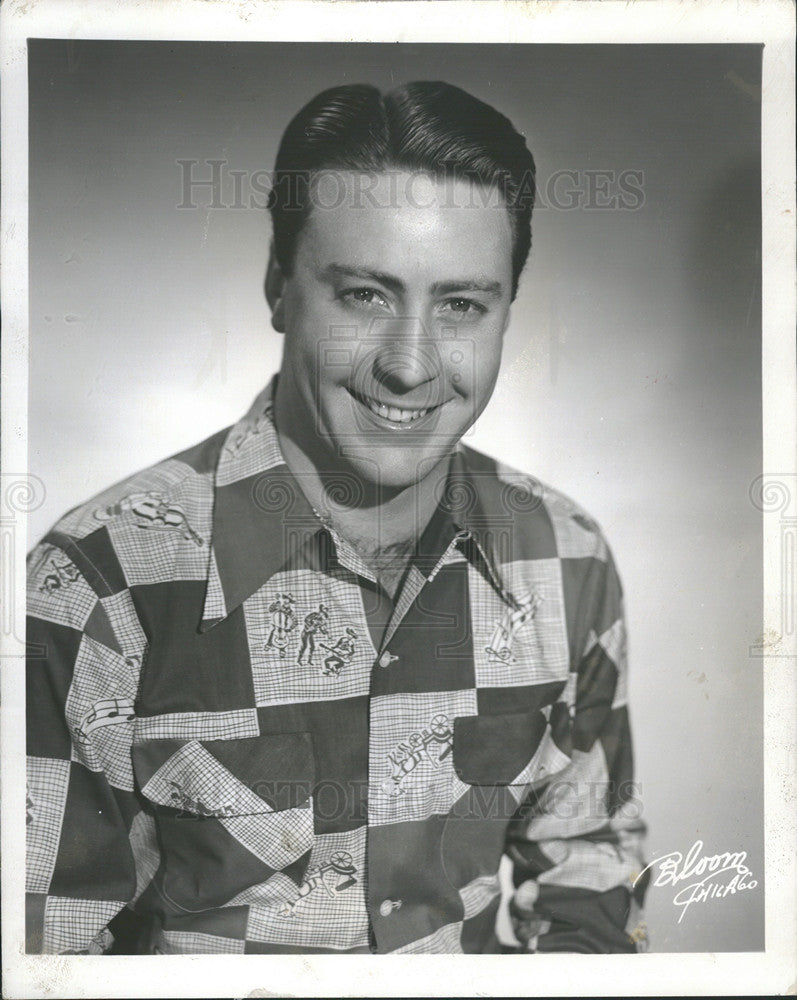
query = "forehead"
{"x": 406, "y": 218}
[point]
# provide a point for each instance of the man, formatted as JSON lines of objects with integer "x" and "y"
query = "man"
{"x": 340, "y": 654}
{"x": 283, "y": 622}
{"x": 314, "y": 624}
{"x": 194, "y": 786}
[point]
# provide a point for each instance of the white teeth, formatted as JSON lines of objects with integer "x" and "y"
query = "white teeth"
{"x": 394, "y": 414}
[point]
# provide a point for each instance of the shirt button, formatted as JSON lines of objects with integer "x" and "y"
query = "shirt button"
{"x": 388, "y": 905}
{"x": 386, "y": 659}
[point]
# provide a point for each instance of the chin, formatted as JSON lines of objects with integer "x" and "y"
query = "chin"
{"x": 395, "y": 469}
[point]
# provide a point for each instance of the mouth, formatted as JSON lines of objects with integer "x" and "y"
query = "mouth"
{"x": 397, "y": 416}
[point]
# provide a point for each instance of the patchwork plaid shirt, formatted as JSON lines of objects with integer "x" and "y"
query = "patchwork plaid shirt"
{"x": 239, "y": 744}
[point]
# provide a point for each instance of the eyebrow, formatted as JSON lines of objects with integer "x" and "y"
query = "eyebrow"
{"x": 486, "y": 287}
{"x": 492, "y": 288}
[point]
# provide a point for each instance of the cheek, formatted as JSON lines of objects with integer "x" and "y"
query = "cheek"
{"x": 487, "y": 359}
{"x": 317, "y": 325}
{"x": 305, "y": 333}
{"x": 306, "y": 311}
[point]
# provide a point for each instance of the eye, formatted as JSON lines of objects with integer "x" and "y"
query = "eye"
{"x": 364, "y": 297}
{"x": 464, "y": 307}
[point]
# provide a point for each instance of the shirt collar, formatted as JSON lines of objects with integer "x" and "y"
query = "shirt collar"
{"x": 263, "y": 523}
{"x": 261, "y": 519}
{"x": 485, "y": 512}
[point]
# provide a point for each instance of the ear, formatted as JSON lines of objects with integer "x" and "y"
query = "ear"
{"x": 275, "y": 289}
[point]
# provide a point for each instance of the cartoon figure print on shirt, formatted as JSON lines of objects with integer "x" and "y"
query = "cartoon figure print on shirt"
{"x": 432, "y": 744}
{"x": 283, "y": 622}
{"x": 316, "y": 623}
{"x": 334, "y": 876}
{"x": 340, "y": 654}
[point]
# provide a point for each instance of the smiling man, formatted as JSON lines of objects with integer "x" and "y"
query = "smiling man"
{"x": 415, "y": 288}
{"x": 301, "y": 687}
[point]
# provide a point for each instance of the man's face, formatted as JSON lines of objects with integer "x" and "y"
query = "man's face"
{"x": 394, "y": 316}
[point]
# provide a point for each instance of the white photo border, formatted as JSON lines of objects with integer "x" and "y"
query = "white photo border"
{"x": 584, "y": 21}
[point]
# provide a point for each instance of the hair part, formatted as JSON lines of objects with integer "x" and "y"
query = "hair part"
{"x": 426, "y": 127}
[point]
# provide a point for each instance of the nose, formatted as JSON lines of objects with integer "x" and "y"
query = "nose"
{"x": 405, "y": 358}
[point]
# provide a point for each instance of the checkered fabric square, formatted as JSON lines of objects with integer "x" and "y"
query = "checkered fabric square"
{"x": 327, "y": 910}
{"x": 251, "y": 447}
{"x": 577, "y": 536}
{"x": 528, "y": 646}
{"x": 70, "y": 925}
{"x": 100, "y": 711}
{"x": 48, "y": 781}
{"x": 149, "y": 550}
{"x": 308, "y": 638}
{"x": 104, "y": 747}
{"x": 575, "y": 803}
{"x": 613, "y": 641}
{"x": 413, "y": 773}
{"x": 56, "y": 591}
{"x": 548, "y": 760}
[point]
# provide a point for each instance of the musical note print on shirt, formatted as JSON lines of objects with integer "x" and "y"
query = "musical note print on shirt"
{"x": 508, "y": 625}
{"x": 107, "y": 712}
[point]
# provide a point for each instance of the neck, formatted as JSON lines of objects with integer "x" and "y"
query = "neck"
{"x": 385, "y": 517}
{"x": 382, "y": 524}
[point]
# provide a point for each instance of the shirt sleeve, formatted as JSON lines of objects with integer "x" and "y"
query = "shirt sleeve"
{"x": 577, "y": 842}
{"x": 81, "y": 806}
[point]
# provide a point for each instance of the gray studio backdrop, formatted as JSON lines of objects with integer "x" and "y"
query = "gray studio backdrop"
{"x": 631, "y": 376}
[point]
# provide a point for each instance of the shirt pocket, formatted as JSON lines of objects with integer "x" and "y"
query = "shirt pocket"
{"x": 497, "y": 758}
{"x": 497, "y": 749}
{"x": 230, "y": 813}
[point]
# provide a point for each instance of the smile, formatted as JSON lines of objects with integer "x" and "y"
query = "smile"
{"x": 394, "y": 414}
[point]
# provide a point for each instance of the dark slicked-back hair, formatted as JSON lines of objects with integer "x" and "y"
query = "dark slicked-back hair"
{"x": 428, "y": 127}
